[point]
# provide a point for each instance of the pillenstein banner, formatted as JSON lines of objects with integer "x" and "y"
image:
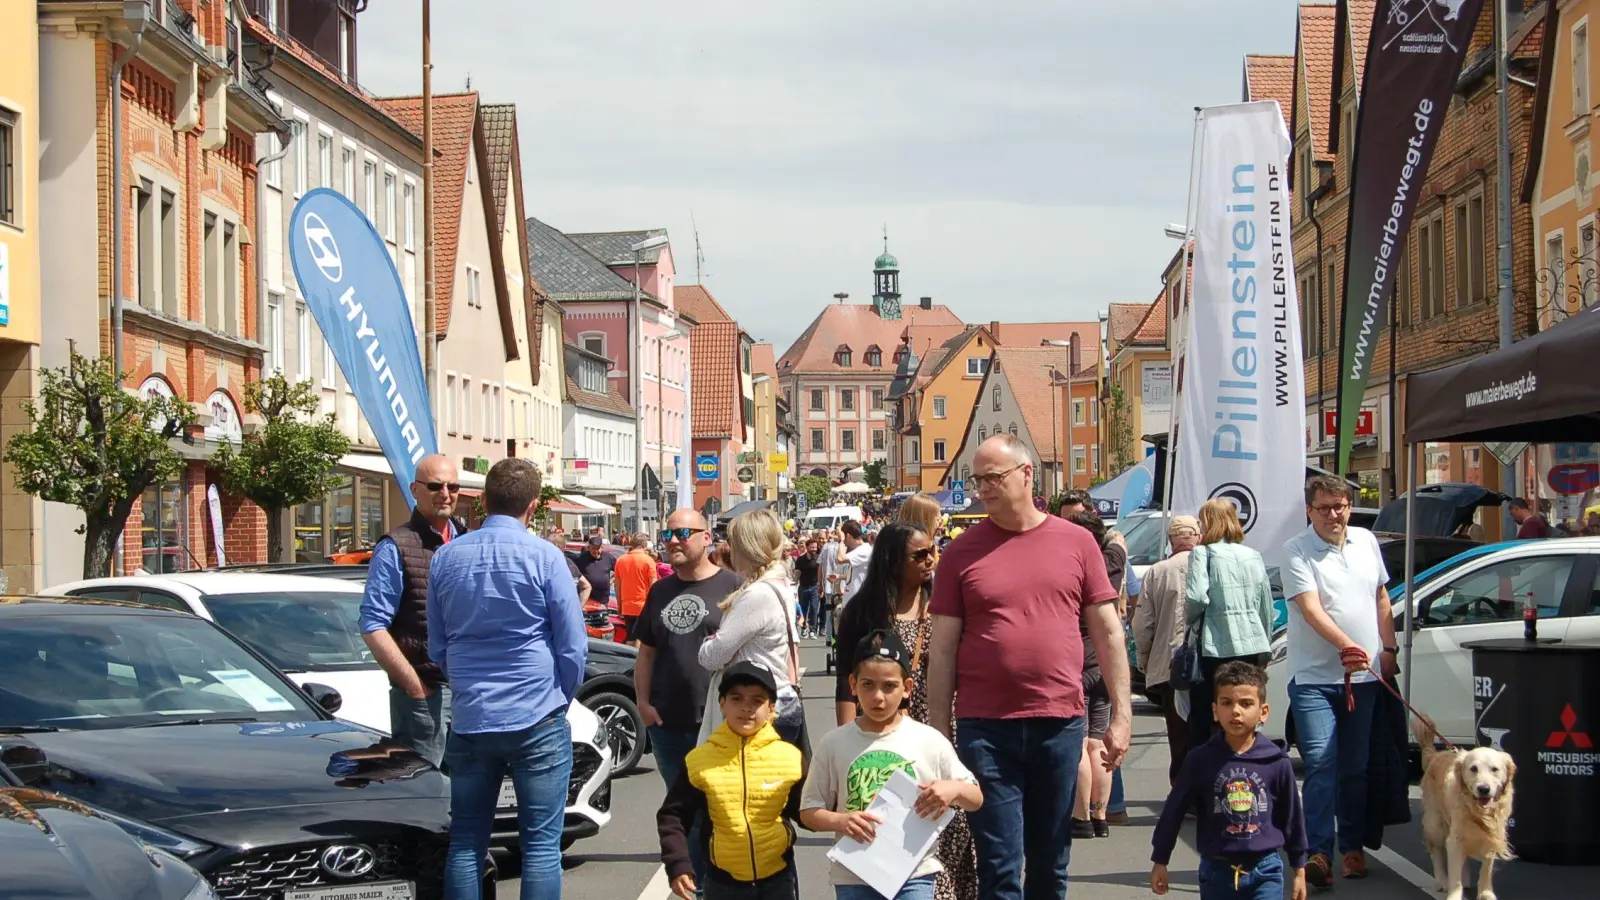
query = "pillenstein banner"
{"x": 1241, "y": 391}
{"x": 1413, "y": 58}
{"x": 350, "y": 285}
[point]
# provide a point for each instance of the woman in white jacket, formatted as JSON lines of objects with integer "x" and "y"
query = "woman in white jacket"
{"x": 757, "y": 622}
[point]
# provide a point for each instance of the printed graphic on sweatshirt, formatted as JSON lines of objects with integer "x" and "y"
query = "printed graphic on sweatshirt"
{"x": 1240, "y": 796}
{"x": 869, "y": 773}
{"x": 684, "y": 614}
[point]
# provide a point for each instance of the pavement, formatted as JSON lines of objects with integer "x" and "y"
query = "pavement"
{"x": 623, "y": 861}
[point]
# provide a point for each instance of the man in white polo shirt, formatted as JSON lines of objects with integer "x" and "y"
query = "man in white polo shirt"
{"x": 1339, "y": 621}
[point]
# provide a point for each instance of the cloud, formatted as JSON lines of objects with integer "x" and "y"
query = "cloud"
{"x": 1025, "y": 156}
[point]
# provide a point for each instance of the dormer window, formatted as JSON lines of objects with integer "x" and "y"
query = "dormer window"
{"x": 874, "y": 356}
{"x": 899, "y": 355}
{"x": 841, "y": 356}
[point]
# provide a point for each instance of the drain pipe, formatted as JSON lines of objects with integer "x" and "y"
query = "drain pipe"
{"x": 136, "y": 13}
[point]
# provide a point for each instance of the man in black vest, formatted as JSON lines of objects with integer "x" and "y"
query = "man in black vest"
{"x": 394, "y": 611}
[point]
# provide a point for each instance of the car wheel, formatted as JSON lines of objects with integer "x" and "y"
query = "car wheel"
{"x": 624, "y": 728}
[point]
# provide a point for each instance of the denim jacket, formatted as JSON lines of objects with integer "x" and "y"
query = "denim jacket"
{"x": 1228, "y": 586}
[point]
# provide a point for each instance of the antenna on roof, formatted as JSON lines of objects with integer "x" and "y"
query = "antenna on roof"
{"x": 469, "y": 81}
{"x": 699, "y": 254}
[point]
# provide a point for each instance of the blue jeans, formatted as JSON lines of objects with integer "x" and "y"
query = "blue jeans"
{"x": 1028, "y": 770}
{"x": 421, "y": 725}
{"x": 915, "y": 889}
{"x": 1221, "y": 880}
{"x": 811, "y": 608}
{"x": 670, "y": 746}
{"x": 1334, "y": 743}
{"x": 1117, "y": 802}
{"x": 539, "y": 760}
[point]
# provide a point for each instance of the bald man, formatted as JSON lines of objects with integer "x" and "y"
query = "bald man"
{"x": 394, "y": 610}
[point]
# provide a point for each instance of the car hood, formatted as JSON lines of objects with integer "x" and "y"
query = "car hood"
{"x": 54, "y": 852}
{"x": 192, "y": 778}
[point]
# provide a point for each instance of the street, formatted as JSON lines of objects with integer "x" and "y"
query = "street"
{"x": 623, "y": 861}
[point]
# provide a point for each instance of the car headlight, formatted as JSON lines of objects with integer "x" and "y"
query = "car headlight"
{"x": 156, "y": 838}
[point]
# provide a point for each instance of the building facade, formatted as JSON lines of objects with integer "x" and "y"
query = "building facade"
{"x": 188, "y": 113}
{"x": 1019, "y": 395}
{"x": 837, "y": 376}
{"x": 724, "y": 412}
{"x": 1136, "y": 398}
{"x": 597, "y": 430}
{"x": 771, "y": 461}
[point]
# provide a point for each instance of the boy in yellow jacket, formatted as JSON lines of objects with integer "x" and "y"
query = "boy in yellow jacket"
{"x": 746, "y": 781}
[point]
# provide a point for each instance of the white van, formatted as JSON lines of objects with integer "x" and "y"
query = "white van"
{"x": 829, "y": 517}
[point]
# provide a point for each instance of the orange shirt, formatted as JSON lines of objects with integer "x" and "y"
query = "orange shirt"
{"x": 635, "y": 572}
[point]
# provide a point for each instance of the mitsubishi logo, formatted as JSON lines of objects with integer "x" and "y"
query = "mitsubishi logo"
{"x": 348, "y": 860}
{"x": 324, "y": 252}
{"x": 1569, "y": 721}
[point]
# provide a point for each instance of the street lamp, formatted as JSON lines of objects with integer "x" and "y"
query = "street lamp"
{"x": 1055, "y": 375}
{"x": 635, "y": 350}
{"x": 661, "y": 432}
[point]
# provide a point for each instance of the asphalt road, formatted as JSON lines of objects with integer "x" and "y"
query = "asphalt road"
{"x": 623, "y": 861}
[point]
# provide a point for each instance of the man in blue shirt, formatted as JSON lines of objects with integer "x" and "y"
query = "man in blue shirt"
{"x": 394, "y": 610}
{"x": 506, "y": 628}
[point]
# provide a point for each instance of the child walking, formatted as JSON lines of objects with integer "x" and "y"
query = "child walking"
{"x": 1243, "y": 788}
{"x": 746, "y": 781}
{"x": 855, "y": 760}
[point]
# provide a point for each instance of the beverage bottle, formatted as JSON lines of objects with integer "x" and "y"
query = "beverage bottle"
{"x": 1530, "y": 619}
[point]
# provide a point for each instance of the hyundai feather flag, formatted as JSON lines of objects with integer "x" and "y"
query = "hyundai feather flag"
{"x": 350, "y": 284}
{"x": 1241, "y": 384}
{"x": 1413, "y": 58}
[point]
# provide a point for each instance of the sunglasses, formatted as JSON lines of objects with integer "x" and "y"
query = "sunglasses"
{"x": 437, "y": 486}
{"x": 679, "y": 534}
{"x": 922, "y": 555}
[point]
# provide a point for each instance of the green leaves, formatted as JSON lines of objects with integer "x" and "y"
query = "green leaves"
{"x": 876, "y": 472}
{"x": 291, "y": 459}
{"x": 815, "y": 487}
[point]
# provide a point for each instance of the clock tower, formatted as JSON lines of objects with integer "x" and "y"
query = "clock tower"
{"x": 886, "y": 278}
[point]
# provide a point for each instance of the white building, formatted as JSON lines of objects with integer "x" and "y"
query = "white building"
{"x": 597, "y": 430}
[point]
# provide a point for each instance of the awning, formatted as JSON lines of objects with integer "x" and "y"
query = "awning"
{"x": 747, "y": 506}
{"x": 567, "y": 509}
{"x": 377, "y": 464}
{"x": 589, "y": 507}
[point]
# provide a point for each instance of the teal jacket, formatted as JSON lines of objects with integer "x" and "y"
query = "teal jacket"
{"x": 1228, "y": 586}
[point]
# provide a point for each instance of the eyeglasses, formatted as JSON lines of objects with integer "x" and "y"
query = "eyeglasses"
{"x": 669, "y": 535}
{"x": 993, "y": 479}
{"x": 1333, "y": 510}
{"x": 437, "y": 486}
{"x": 922, "y": 555}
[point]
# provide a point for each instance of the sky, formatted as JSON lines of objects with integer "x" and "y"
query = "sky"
{"x": 1025, "y": 157}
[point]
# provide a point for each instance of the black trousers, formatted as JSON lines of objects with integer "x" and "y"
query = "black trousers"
{"x": 1201, "y": 720}
{"x": 780, "y": 886}
{"x": 1177, "y": 728}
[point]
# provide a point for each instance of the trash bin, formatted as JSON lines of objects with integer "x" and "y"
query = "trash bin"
{"x": 1540, "y": 702}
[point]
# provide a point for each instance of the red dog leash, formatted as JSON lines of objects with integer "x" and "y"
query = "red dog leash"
{"x": 1356, "y": 660}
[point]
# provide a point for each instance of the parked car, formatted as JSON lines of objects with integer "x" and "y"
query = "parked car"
{"x": 308, "y": 627}
{"x": 57, "y": 847}
{"x": 1474, "y": 599}
{"x": 197, "y": 747}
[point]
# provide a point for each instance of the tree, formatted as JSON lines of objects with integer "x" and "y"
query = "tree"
{"x": 815, "y": 487}
{"x": 548, "y": 494}
{"x": 96, "y": 445}
{"x": 876, "y": 474}
{"x": 1119, "y": 431}
{"x": 290, "y": 461}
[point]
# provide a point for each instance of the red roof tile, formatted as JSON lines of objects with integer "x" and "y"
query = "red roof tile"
{"x": 856, "y": 325}
{"x": 1152, "y": 328}
{"x": 714, "y": 392}
{"x": 454, "y": 120}
{"x": 1361, "y": 12}
{"x": 694, "y": 301}
{"x": 611, "y": 401}
{"x": 1271, "y": 78}
{"x": 1123, "y": 320}
{"x": 1314, "y": 76}
{"x": 763, "y": 360}
{"x": 1027, "y": 371}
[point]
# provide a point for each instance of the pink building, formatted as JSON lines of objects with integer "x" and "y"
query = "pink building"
{"x": 592, "y": 277}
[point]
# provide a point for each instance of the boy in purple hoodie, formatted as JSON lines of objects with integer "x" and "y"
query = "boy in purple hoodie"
{"x": 1243, "y": 788}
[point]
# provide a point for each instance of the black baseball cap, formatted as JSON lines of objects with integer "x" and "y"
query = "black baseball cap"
{"x": 596, "y": 540}
{"x": 748, "y": 673}
{"x": 883, "y": 644}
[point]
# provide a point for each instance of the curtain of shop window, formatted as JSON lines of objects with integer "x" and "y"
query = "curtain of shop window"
{"x": 162, "y": 529}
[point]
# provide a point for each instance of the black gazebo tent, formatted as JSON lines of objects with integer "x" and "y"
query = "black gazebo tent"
{"x": 1541, "y": 390}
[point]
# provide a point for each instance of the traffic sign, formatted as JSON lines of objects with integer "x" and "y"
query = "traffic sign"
{"x": 958, "y": 498}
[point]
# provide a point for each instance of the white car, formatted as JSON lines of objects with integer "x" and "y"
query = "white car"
{"x": 1480, "y": 599}
{"x": 308, "y": 628}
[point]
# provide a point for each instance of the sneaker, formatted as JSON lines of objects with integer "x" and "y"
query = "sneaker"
{"x": 1082, "y": 828}
{"x": 1120, "y": 817}
{"x": 1319, "y": 871}
{"x": 1354, "y": 865}
{"x": 1101, "y": 828}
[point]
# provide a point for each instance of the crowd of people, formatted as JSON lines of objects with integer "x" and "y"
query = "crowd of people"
{"x": 993, "y": 669}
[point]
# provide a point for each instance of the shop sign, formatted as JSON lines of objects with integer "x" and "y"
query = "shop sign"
{"x": 707, "y": 467}
{"x": 1366, "y": 422}
{"x": 153, "y": 387}
{"x": 747, "y": 474}
{"x": 749, "y": 458}
{"x": 777, "y": 462}
{"x": 225, "y": 424}
{"x": 478, "y": 465}
{"x": 575, "y": 468}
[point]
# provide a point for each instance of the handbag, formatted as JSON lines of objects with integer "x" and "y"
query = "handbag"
{"x": 1186, "y": 671}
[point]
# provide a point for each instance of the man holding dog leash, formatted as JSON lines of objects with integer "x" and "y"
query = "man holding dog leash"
{"x": 1340, "y": 623}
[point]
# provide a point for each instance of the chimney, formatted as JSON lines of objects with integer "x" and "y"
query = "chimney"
{"x": 994, "y": 331}
{"x": 1073, "y": 357}
{"x": 927, "y": 303}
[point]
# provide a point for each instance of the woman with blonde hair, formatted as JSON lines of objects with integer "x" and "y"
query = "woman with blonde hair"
{"x": 757, "y": 624}
{"x": 1229, "y": 604}
{"x": 924, "y": 512}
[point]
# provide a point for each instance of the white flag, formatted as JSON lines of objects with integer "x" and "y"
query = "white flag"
{"x": 1241, "y": 422}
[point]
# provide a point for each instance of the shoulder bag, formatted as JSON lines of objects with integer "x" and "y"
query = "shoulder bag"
{"x": 1186, "y": 671}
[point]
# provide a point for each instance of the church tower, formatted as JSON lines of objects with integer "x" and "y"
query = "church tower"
{"x": 886, "y": 278}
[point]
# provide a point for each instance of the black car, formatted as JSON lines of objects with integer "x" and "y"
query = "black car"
{"x": 57, "y": 847}
{"x": 174, "y": 730}
{"x": 607, "y": 690}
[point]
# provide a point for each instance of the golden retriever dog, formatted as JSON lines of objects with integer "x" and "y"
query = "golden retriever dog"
{"x": 1466, "y": 805}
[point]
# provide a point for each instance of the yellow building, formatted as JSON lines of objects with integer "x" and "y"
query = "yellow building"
{"x": 1138, "y": 397}
{"x": 1562, "y": 191}
{"x": 19, "y": 276}
{"x": 764, "y": 382}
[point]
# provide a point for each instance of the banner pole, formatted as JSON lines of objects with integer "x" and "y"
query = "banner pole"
{"x": 1508, "y": 474}
{"x": 1181, "y": 317}
{"x": 1413, "y": 457}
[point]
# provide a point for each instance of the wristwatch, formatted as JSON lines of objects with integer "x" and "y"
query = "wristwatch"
{"x": 1394, "y": 650}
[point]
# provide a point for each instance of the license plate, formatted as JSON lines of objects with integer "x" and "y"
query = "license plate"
{"x": 508, "y": 796}
{"x": 377, "y": 890}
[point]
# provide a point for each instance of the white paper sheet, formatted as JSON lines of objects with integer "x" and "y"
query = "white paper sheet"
{"x": 903, "y": 838}
{"x": 252, "y": 690}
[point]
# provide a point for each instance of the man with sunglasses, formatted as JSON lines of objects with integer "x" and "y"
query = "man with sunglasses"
{"x": 394, "y": 609}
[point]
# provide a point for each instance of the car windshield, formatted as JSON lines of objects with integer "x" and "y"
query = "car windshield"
{"x": 299, "y": 631}
{"x": 1144, "y": 540}
{"x": 94, "y": 671}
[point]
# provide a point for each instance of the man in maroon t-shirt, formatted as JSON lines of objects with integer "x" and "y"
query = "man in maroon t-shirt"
{"x": 1530, "y": 525}
{"x": 1008, "y": 598}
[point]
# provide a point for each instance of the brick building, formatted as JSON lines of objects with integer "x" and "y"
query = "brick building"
{"x": 1446, "y": 294}
{"x": 189, "y": 116}
{"x": 722, "y": 398}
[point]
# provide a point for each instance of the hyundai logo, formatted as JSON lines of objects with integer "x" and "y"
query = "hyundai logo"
{"x": 348, "y": 860}
{"x": 324, "y": 252}
{"x": 1243, "y": 500}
